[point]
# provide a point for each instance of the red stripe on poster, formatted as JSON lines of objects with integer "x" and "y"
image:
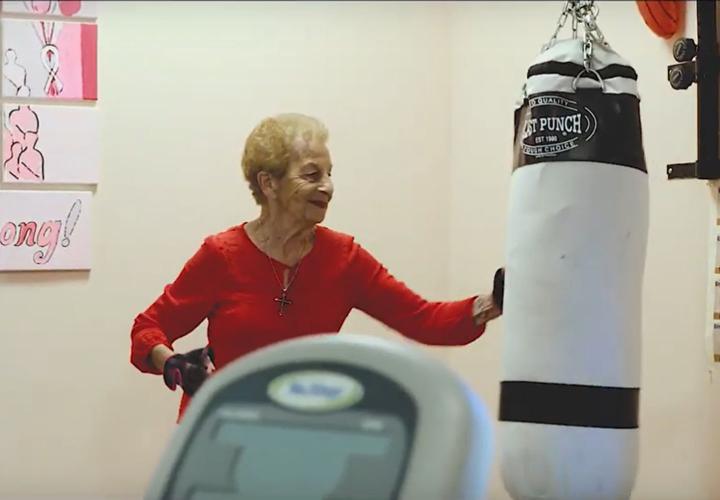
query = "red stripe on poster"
{"x": 89, "y": 61}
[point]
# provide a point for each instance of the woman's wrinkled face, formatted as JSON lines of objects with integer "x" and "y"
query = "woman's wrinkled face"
{"x": 306, "y": 189}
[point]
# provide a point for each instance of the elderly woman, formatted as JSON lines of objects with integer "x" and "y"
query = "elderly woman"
{"x": 283, "y": 275}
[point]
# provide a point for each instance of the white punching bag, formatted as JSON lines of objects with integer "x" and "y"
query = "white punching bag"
{"x": 577, "y": 235}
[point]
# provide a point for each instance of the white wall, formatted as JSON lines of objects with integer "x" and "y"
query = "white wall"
{"x": 418, "y": 98}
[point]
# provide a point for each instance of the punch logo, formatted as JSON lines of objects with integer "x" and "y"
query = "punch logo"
{"x": 555, "y": 124}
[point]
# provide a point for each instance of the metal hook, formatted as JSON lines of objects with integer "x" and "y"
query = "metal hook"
{"x": 592, "y": 72}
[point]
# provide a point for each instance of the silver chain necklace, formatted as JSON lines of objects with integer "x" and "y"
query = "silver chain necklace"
{"x": 283, "y": 300}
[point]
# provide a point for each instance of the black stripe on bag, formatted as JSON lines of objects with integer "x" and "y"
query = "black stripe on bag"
{"x": 587, "y": 125}
{"x": 572, "y": 69}
{"x": 568, "y": 404}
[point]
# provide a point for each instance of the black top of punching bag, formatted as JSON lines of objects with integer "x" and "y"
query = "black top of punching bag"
{"x": 585, "y": 124}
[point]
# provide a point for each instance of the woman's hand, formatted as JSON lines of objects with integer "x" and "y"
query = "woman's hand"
{"x": 498, "y": 292}
{"x": 484, "y": 309}
{"x": 159, "y": 354}
{"x": 188, "y": 370}
{"x": 489, "y": 307}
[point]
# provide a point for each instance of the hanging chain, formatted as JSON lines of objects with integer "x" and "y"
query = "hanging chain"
{"x": 574, "y": 23}
{"x": 560, "y": 24}
{"x": 587, "y": 12}
{"x": 582, "y": 13}
{"x": 587, "y": 52}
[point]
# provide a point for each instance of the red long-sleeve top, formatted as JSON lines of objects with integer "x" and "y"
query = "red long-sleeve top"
{"x": 231, "y": 283}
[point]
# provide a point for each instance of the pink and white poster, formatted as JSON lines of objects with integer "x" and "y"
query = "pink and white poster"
{"x": 50, "y": 144}
{"x": 49, "y": 59}
{"x": 45, "y": 230}
{"x": 65, "y": 8}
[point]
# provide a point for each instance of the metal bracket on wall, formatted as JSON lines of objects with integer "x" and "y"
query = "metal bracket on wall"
{"x": 700, "y": 64}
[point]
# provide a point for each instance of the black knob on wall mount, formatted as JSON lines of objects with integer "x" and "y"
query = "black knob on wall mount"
{"x": 684, "y": 49}
{"x": 682, "y": 75}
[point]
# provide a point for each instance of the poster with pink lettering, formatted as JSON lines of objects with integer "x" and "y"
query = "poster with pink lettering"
{"x": 65, "y": 8}
{"x": 50, "y": 144}
{"x": 49, "y": 59}
{"x": 45, "y": 230}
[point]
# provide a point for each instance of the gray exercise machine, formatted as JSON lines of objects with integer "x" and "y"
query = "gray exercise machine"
{"x": 330, "y": 417}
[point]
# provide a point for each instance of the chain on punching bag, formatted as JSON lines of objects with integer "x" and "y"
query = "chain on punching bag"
{"x": 575, "y": 256}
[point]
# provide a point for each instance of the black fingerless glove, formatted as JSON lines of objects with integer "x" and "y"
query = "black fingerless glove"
{"x": 498, "y": 292}
{"x": 188, "y": 370}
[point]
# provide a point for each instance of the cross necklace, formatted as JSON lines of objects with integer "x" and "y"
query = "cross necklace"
{"x": 283, "y": 300}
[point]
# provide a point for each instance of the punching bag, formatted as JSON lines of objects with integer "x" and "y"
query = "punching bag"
{"x": 575, "y": 254}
